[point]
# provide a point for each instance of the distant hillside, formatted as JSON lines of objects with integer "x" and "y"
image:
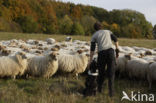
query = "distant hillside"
{"x": 52, "y": 17}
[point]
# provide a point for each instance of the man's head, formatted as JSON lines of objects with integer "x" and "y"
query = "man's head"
{"x": 97, "y": 26}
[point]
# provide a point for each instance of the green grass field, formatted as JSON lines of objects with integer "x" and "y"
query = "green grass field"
{"x": 66, "y": 89}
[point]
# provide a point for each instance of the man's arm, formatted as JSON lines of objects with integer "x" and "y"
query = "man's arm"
{"x": 92, "y": 49}
{"x": 117, "y": 45}
{"x": 114, "y": 38}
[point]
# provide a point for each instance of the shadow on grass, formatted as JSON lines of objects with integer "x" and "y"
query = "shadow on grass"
{"x": 29, "y": 86}
{"x": 66, "y": 87}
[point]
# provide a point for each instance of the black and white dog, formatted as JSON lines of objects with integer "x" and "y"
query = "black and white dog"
{"x": 91, "y": 80}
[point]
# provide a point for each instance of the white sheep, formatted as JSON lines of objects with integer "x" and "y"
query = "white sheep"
{"x": 50, "y": 40}
{"x": 137, "y": 68}
{"x": 149, "y": 58}
{"x": 128, "y": 49}
{"x": 151, "y": 74}
{"x": 43, "y": 66}
{"x": 73, "y": 63}
{"x": 13, "y": 65}
{"x": 69, "y": 39}
{"x": 121, "y": 63}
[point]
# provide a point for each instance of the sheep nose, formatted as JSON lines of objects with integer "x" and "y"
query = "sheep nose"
{"x": 55, "y": 58}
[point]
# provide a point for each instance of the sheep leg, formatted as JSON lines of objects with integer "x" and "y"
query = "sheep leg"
{"x": 47, "y": 77}
{"x": 27, "y": 76}
{"x": 13, "y": 77}
{"x": 77, "y": 76}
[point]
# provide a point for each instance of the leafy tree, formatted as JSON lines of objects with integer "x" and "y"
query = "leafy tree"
{"x": 115, "y": 28}
{"x": 66, "y": 25}
{"x": 154, "y": 31}
{"x": 105, "y": 25}
{"x": 28, "y": 24}
{"x": 131, "y": 31}
{"x": 77, "y": 29}
{"x": 76, "y": 12}
{"x": 100, "y": 14}
{"x": 8, "y": 26}
{"x": 48, "y": 19}
{"x": 88, "y": 23}
{"x": 50, "y": 16}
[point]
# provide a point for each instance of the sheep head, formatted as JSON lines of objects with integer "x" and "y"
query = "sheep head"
{"x": 80, "y": 51}
{"x": 2, "y": 47}
{"x": 54, "y": 49}
{"x": 22, "y": 54}
{"x": 128, "y": 57}
{"x": 68, "y": 39}
{"x": 84, "y": 56}
{"x": 141, "y": 55}
{"x": 57, "y": 46}
{"x": 20, "y": 57}
{"x": 53, "y": 55}
{"x": 148, "y": 53}
{"x": 36, "y": 42}
{"x": 6, "y": 52}
{"x": 88, "y": 55}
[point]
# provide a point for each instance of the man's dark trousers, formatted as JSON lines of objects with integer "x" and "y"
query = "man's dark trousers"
{"x": 106, "y": 57}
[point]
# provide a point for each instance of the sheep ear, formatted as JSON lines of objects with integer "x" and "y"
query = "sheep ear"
{"x": 57, "y": 54}
{"x": 150, "y": 63}
{"x": 53, "y": 54}
{"x": 18, "y": 58}
{"x": 7, "y": 51}
{"x": 141, "y": 55}
{"x": 22, "y": 54}
{"x": 87, "y": 55}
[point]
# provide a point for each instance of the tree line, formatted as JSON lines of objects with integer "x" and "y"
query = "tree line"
{"x": 56, "y": 17}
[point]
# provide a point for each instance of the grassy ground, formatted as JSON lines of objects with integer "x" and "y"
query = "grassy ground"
{"x": 61, "y": 89}
{"x": 66, "y": 89}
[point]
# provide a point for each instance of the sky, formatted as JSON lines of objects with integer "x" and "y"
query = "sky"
{"x": 147, "y": 7}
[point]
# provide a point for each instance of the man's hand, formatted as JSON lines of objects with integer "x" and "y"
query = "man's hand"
{"x": 117, "y": 49}
{"x": 117, "y": 52}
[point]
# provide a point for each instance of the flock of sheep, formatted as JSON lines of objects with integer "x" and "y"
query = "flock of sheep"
{"x": 137, "y": 62}
{"x": 44, "y": 58}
